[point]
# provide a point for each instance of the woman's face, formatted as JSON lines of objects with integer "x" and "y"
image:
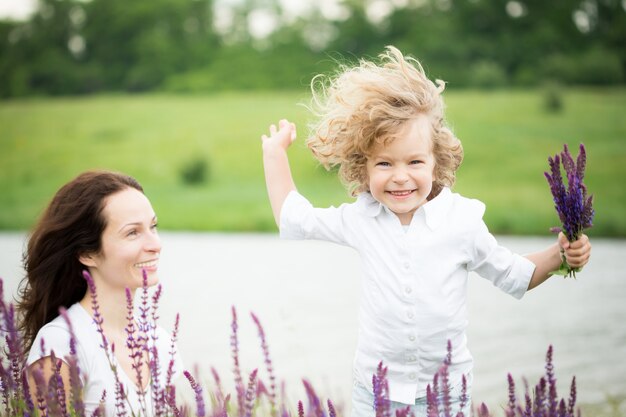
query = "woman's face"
{"x": 130, "y": 243}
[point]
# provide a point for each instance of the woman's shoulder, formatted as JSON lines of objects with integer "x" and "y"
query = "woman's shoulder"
{"x": 55, "y": 335}
{"x": 52, "y": 337}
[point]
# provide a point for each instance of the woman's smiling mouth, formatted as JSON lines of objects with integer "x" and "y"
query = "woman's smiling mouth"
{"x": 147, "y": 264}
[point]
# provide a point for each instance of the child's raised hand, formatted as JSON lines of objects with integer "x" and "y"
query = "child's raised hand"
{"x": 282, "y": 137}
{"x": 576, "y": 253}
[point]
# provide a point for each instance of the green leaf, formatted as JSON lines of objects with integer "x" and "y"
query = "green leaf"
{"x": 565, "y": 270}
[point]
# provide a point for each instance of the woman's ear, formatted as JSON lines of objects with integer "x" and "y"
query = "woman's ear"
{"x": 87, "y": 259}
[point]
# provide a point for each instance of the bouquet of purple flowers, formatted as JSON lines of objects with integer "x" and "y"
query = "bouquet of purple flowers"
{"x": 572, "y": 204}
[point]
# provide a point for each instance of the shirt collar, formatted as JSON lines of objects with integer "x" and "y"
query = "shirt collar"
{"x": 435, "y": 210}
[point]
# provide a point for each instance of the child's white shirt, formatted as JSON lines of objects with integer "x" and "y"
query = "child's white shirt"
{"x": 96, "y": 374}
{"x": 414, "y": 288}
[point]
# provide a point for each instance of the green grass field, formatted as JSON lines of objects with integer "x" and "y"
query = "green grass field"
{"x": 507, "y": 138}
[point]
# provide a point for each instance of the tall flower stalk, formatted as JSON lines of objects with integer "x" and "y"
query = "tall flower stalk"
{"x": 544, "y": 401}
{"x": 268, "y": 364}
{"x": 234, "y": 346}
{"x": 572, "y": 204}
{"x": 121, "y": 399}
{"x": 438, "y": 398}
{"x": 380, "y": 386}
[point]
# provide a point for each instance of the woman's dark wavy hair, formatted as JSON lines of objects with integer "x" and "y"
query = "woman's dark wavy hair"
{"x": 71, "y": 226}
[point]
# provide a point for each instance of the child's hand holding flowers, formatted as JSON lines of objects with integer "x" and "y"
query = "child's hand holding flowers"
{"x": 575, "y": 254}
{"x": 574, "y": 208}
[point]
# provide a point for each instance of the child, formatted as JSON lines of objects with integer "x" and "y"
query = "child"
{"x": 383, "y": 125}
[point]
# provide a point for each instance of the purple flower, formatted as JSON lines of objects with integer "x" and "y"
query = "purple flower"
{"x": 197, "y": 389}
{"x": 134, "y": 343}
{"x": 331, "y": 409}
{"x": 510, "y": 411}
{"x": 56, "y": 390}
{"x": 315, "y": 405}
{"x": 250, "y": 394}
{"x": 464, "y": 398}
{"x": 76, "y": 385}
{"x": 120, "y": 394}
{"x": 40, "y": 390}
{"x": 95, "y": 307}
{"x": 381, "y": 391}
{"x": 219, "y": 393}
{"x": 268, "y": 364}
{"x": 234, "y": 346}
{"x": 572, "y": 204}
{"x": 552, "y": 396}
{"x": 300, "y": 409}
{"x": 404, "y": 412}
{"x": 162, "y": 395}
{"x": 483, "y": 411}
{"x": 528, "y": 412}
{"x": 572, "y": 398}
{"x": 545, "y": 401}
{"x": 10, "y": 377}
{"x": 432, "y": 408}
{"x": 30, "y": 407}
{"x": 120, "y": 397}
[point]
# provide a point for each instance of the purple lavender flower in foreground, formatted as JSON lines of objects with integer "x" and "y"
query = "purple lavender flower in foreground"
{"x": 405, "y": 412}
{"x": 380, "y": 387}
{"x": 30, "y": 407}
{"x": 197, "y": 389}
{"x": 315, "y": 404}
{"x": 163, "y": 395}
{"x": 250, "y": 393}
{"x": 76, "y": 386}
{"x": 300, "y": 409}
{"x": 40, "y": 391}
{"x": 572, "y": 204}
{"x": 234, "y": 346}
{"x": 268, "y": 365}
{"x": 331, "y": 409}
{"x": 483, "y": 411}
{"x": 544, "y": 401}
{"x": 109, "y": 350}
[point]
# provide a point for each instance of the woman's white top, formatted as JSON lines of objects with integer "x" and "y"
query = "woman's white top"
{"x": 414, "y": 287}
{"x": 96, "y": 374}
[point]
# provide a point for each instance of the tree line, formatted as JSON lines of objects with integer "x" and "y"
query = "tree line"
{"x": 81, "y": 47}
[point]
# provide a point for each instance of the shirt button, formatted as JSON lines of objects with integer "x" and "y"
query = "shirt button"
{"x": 412, "y": 338}
{"x": 412, "y": 377}
{"x": 406, "y": 265}
{"x": 408, "y": 290}
{"x": 412, "y": 358}
{"x": 410, "y": 314}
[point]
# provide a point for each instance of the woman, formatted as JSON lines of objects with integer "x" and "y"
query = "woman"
{"x": 101, "y": 223}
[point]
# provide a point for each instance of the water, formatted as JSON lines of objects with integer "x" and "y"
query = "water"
{"x": 306, "y": 295}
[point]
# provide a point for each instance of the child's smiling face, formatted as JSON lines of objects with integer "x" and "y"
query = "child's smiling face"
{"x": 401, "y": 172}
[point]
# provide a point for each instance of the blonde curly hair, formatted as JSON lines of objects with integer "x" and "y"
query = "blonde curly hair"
{"x": 369, "y": 104}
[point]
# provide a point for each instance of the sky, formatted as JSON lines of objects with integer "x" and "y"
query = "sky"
{"x": 17, "y": 9}
{"x": 21, "y": 9}
{"x": 262, "y": 22}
